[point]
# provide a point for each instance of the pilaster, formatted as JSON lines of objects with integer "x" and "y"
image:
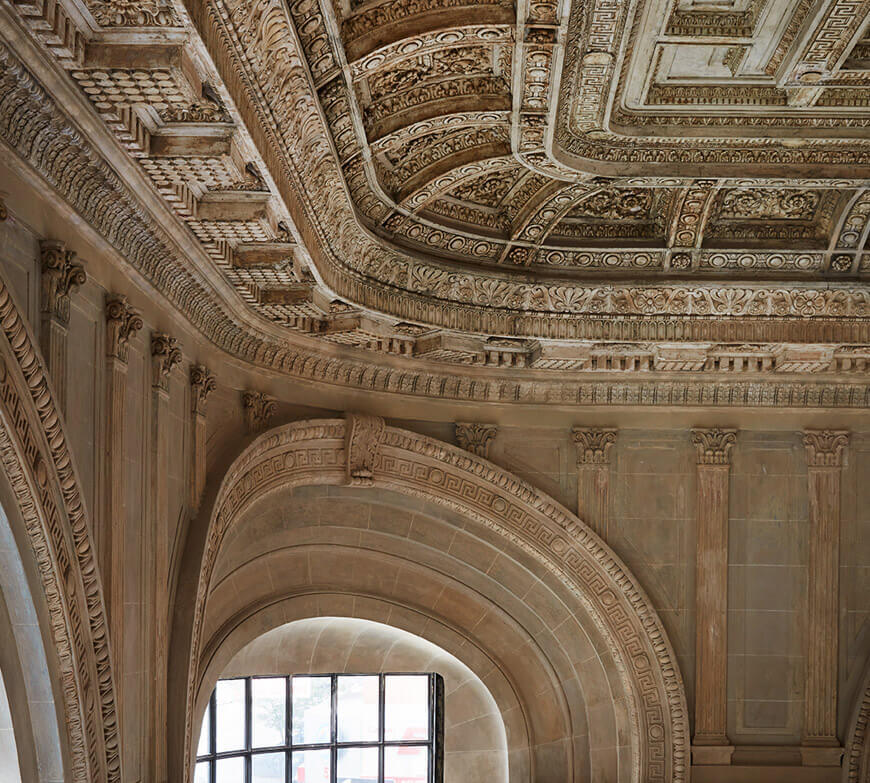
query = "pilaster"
{"x": 165, "y": 354}
{"x": 122, "y": 322}
{"x": 819, "y": 743}
{"x": 61, "y": 276}
{"x": 593, "y": 476}
{"x": 710, "y": 744}
{"x": 202, "y": 384}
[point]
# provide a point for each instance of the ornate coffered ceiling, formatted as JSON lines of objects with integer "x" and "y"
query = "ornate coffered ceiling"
{"x": 662, "y": 186}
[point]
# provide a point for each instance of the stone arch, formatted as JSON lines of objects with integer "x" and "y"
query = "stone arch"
{"x": 363, "y": 452}
{"x": 45, "y": 492}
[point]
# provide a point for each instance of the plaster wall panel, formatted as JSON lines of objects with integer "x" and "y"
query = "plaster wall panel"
{"x": 652, "y": 528}
{"x": 544, "y": 457}
{"x": 768, "y": 543}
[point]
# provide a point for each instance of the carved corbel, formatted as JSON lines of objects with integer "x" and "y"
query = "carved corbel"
{"x": 820, "y": 745}
{"x": 593, "y": 475}
{"x": 362, "y": 441}
{"x": 475, "y": 437}
{"x": 259, "y": 409}
{"x": 165, "y": 354}
{"x": 711, "y": 745}
{"x": 202, "y": 384}
{"x": 61, "y": 276}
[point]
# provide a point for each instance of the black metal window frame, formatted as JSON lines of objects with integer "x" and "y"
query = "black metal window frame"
{"x": 434, "y": 745}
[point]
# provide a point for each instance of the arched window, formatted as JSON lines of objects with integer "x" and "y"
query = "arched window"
{"x": 323, "y": 728}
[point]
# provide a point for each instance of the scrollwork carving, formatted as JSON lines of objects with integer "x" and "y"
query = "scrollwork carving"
{"x": 825, "y": 447}
{"x": 475, "y": 437}
{"x": 363, "y": 436}
{"x": 713, "y": 446}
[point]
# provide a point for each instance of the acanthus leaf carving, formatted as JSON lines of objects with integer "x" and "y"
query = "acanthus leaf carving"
{"x": 475, "y": 437}
{"x": 165, "y": 354}
{"x": 61, "y": 276}
{"x": 825, "y": 447}
{"x": 259, "y": 409}
{"x": 593, "y": 444}
{"x": 202, "y": 384}
{"x": 713, "y": 446}
{"x": 122, "y": 322}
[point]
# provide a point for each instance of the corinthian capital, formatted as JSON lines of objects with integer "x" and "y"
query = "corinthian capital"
{"x": 165, "y": 354}
{"x": 475, "y": 437}
{"x": 259, "y": 409}
{"x": 825, "y": 447}
{"x": 61, "y": 276}
{"x": 593, "y": 444}
{"x": 714, "y": 445}
{"x": 202, "y": 383}
{"x": 122, "y": 322}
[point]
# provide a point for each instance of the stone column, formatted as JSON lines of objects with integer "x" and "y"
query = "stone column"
{"x": 60, "y": 277}
{"x": 165, "y": 354}
{"x": 819, "y": 743}
{"x": 202, "y": 383}
{"x": 475, "y": 437}
{"x": 593, "y": 476}
{"x": 710, "y": 744}
{"x": 122, "y": 322}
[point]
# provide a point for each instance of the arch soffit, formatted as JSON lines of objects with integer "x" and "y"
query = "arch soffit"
{"x": 37, "y": 462}
{"x": 363, "y": 451}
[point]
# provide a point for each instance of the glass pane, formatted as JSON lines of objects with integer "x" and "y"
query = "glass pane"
{"x": 311, "y": 766}
{"x": 406, "y": 764}
{"x": 268, "y": 768}
{"x": 231, "y": 770}
{"x": 230, "y": 722}
{"x": 204, "y": 735}
{"x": 406, "y": 707}
{"x": 312, "y": 710}
{"x": 202, "y": 772}
{"x": 357, "y": 709}
{"x": 269, "y": 712}
{"x": 357, "y": 765}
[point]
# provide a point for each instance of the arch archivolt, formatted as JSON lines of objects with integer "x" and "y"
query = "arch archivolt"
{"x": 37, "y": 464}
{"x": 362, "y": 452}
{"x": 856, "y": 764}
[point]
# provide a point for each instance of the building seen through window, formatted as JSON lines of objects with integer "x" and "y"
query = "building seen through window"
{"x": 325, "y": 728}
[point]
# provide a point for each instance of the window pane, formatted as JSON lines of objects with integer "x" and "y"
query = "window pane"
{"x": 356, "y": 765}
{"x": 312, "y": 710}
{"x": 202, "y": 772}
{"x": 230, "y": 721}
{"x": 269, "y": 708}
{"x": 357, "y": 709}
{"x": 204, "y": 735}
{"x": 231, "y": 770}
{"x": 406, "y": 764}
{"x": 406, "y": 707}
{"x": 268, "y": 768}
{"x": 311, "y": 766}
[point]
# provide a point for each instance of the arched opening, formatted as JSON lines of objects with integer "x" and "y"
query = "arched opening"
{"x": 440, "y": 543}
{"x": 474, "y": 742}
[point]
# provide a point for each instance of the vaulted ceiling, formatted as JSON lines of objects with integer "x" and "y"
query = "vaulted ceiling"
{"x": 659, "y": 184}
